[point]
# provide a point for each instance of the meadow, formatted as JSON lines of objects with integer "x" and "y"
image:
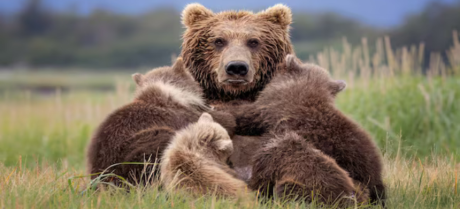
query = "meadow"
{"x": 412, "y": 112}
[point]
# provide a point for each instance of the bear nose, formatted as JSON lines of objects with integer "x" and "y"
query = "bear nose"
{"x": 237, "y": 68}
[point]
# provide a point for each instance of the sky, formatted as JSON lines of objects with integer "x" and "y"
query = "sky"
{"x": 382, "y": 13}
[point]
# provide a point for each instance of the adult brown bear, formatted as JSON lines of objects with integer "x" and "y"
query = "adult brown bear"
{"x": 234, "y": 55}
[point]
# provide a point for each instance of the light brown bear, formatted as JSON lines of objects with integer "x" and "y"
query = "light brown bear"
{"x": 195, "y": 161}
{"x": 168, "y": 99}
{"x": 302, "y": 101}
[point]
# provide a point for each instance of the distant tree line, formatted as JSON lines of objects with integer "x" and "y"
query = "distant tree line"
{"x": 39, "y": 37}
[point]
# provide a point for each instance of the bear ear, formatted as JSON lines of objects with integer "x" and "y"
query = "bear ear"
{"x": 224, "y": 145}
{"x": 279, "y": 14}
{"x": 179, "y": 66}
{"x": 137, "y": 77}
{"x": 194, "y": 13}
{"x": 205, "y": 117}
{"x": 338, "y": 86}
{"x": 292, "y": 63}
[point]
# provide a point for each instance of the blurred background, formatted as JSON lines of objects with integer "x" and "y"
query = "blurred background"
{"x": 65, "y": 64}
{"x": 108, "y": 35}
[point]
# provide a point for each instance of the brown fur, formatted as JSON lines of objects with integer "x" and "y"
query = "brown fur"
{"x": 236, "y": 32}
{"x": 168, "y": 99}
{"x": 295, "y": 169}
{"x": 244, "y": 149}
{"x": 302, "y": 101}
{"x": 196, "y": 159}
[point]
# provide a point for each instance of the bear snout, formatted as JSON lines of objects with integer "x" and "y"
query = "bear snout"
{"x": 238, "y": 68}
{"x": 236, "y": 73}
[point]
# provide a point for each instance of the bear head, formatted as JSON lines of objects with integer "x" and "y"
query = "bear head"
{"x": 234, "y": 54}
{"x": 205, "y": 137}
{"x": 174, "y": 82}
{"x": 302, "y": 84}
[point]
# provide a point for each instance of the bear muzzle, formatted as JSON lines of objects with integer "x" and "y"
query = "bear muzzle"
{"x": 237, "y": 68}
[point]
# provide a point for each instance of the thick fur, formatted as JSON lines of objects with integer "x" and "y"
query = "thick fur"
{"x": 196, "y": 160}
{"x": 302, "y": 101}
{"x": 206, "y": 60}
{"x": 245, "y": 148}
{"x": 168, "y": 99}
{"x": 295, "y": 169}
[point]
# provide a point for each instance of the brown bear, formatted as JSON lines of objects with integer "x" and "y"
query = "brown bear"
{"x": 195, "y": 160}
{"x": 233, "y": 55}
{"x": 302, "y": 100}
{"x": 294, "y": 169}
{"x": 168, "y": 99}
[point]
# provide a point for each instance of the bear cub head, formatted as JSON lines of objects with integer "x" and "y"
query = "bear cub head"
{"x": 205, "y": 137}
{"x": 302, "y": 84}
{"x": 171, "y": 83}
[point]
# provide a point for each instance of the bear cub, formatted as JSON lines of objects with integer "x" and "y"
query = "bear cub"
{"x": 168, "y": 99}
{"x": 195, "y": 161}
{"x": 299, "y": 171}
{"x": 301, "y": 100}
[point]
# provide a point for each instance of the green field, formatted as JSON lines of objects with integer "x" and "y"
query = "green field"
{"x": 412, "y": 116}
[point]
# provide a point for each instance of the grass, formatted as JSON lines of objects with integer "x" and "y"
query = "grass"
{"x": 413, "y": 115}
{"x": 46, "y": 81}
{"x": 411, "y": 184}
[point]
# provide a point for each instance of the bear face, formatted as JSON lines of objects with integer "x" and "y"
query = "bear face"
{"x": 233, "y": 55}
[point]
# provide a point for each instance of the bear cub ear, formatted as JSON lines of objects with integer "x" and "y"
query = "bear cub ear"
{"x": 179, "y": 66}
{"x": 180, "y": 69}
{"x": 279, "y": 14}
{"x": 290, "y": 60}
{"x": 205, "y": 117}
{"x": 338, "y": 86}
{"x": 137, "y": 77}
{"x": 224, "y": 145}
{"x": 194, "y": 13}
{"x": 292, "y": 63}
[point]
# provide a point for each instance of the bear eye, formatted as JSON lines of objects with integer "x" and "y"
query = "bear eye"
{"x": 253, "y": 43}
{"x": 219, "y": 42}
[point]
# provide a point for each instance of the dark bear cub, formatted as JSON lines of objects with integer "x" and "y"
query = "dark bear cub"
{"x": 301, "y": 100}
{"x": 297, "y": 170}
{"x": 168, "y": 99}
